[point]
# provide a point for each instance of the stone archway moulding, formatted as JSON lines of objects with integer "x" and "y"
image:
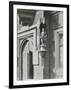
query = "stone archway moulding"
{"x": 23, "y": 37}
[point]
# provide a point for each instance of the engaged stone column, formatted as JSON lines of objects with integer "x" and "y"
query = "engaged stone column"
{"x": 43, "y": 50}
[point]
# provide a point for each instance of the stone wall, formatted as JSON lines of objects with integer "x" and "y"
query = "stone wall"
{"x": 55, "y": 21}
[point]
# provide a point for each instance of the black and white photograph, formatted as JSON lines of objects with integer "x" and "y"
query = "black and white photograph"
{"x": 39, "y": 44}
{"x": 39, "y": 51}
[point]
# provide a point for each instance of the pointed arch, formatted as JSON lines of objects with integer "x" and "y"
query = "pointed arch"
{"x": 23, "y": 44}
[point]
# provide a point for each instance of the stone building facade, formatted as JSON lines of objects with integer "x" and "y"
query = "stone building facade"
{"x": 39, "y": 44}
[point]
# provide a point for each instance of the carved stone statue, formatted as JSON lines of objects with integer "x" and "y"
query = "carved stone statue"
{"x": 43, "y": 37}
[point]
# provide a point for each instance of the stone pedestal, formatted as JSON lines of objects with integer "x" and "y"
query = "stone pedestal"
{"x": 43, "y": 53}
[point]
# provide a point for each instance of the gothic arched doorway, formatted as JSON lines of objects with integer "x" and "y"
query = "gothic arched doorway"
{"x": 26, "y": 60}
